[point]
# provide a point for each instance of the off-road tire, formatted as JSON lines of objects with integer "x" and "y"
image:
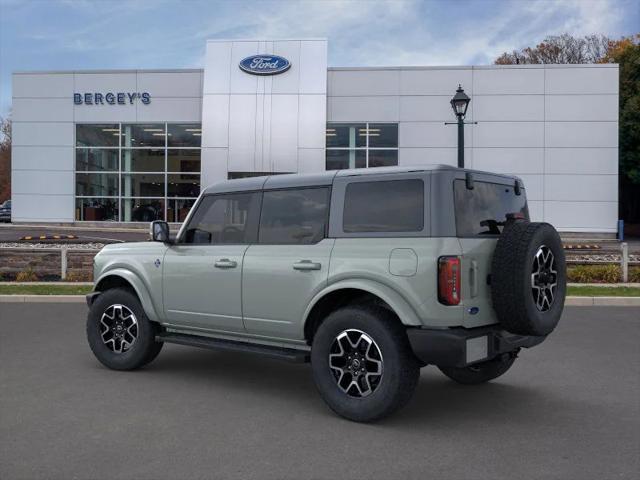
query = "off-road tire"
{"x": 400, "y": 369}
{"x": 511, "y": 278}
{"x": 480, "y": 372}
{"x": 142, "y": 351}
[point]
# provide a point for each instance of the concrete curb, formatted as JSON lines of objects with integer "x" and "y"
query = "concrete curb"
{"x": 603, "y": 301}
{"x": 570, "y": 301}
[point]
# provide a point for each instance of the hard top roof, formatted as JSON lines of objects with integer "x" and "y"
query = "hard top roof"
{"x": 289, "y": 180}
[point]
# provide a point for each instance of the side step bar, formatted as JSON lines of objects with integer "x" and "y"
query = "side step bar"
{"x": 279, "y": 353}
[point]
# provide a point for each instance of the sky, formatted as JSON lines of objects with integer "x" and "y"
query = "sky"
{"x": 108, "y": 34}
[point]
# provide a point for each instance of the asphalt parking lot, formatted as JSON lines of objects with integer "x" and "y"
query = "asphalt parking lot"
{"x": 569, "y": 409}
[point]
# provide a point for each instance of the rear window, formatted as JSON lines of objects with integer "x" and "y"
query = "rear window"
{"x": 483, "y": 210}
{"x": 384, "y": 206}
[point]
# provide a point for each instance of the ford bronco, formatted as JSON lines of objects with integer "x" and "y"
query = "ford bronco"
{"x": 368, "y": 274}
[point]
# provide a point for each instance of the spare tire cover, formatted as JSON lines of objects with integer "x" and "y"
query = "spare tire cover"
{"x": 528, "y": 278}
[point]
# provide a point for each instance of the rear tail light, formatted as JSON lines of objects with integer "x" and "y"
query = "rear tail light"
{"x": 449, "y": 280}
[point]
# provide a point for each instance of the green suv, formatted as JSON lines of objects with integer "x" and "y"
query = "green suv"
{"x": 369, "y": 275}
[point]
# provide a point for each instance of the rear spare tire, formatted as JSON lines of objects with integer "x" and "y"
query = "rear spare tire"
{"x": 528, "y": 278}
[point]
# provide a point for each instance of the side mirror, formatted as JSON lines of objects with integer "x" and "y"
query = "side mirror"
{"x": 159, "y": 231}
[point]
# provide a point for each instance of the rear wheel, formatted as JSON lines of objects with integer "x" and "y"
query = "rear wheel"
{"x": 480, "y": 372}
{"x": 363, "y": 365}
{"x": 119, "y": 333}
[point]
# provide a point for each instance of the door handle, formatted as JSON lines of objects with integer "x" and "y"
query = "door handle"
{"x": 307, "y": 265}
{"x": 225, "y": 263}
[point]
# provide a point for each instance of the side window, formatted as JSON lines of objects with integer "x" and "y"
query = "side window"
{"x": 224, "y": 219}
{"x": 483, "y": 210}
{"x": 384, "y": 206}
{"x": 294, "y": 216}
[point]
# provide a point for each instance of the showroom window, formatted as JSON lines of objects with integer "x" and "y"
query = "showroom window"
{"x": 136, "y": 172}
{"x": 361, "y": 145}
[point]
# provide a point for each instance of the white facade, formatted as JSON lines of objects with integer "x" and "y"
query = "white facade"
{"x": 556, "y": 126}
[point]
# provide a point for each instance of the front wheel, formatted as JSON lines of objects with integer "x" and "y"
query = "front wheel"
{"x": 119, "y": 333}
{"x": 363, "y": 365}
{"x": 480, "y": 372}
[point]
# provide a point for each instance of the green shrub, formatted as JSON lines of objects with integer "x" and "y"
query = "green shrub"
{"x": 79, "y": 276}
{"x": 634, "y": 274}
{"x": 27, "y": 275}
{"x": 594, "y": 274}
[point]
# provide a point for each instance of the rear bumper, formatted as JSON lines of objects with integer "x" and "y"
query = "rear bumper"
{"x": 459, "y": 347}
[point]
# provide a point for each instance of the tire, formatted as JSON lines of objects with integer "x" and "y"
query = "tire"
{"x": 528, "y": 278}
{"x": 377, "y": 332}
{"x": 480, "y": 372}
{"x": 115, "y": 306}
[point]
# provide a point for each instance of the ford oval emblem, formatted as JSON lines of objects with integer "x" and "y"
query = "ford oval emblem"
{"x": 265, "y": 64}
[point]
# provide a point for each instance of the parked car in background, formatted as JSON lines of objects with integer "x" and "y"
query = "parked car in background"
{"x": 369, "y": 274}
{"x": 5, "y": 211}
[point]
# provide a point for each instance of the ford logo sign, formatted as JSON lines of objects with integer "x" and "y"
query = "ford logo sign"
{"x": 265, "y": 64}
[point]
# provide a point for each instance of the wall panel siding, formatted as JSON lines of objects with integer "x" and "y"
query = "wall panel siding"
{"x": 44, "y": 128}
{"x": 546, "y": 124}
{"x": 266, "y": 122}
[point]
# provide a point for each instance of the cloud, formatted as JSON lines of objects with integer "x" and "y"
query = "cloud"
{"x": 85, "y": 34}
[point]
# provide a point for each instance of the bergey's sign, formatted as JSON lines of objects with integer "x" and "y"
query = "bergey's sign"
{"x": 110, "y": 98}
{"x": 265, "y": 64}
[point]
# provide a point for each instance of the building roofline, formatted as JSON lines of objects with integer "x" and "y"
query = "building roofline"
{"x": 330, "y": 69}
{"x": 480, "y": 67}
{"x": 103, "y": 71}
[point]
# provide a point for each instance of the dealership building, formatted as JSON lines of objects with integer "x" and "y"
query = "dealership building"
{"x": 137, "y": 145}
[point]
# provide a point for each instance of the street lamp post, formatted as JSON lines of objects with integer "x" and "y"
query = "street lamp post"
{"x": 459, "y": 104}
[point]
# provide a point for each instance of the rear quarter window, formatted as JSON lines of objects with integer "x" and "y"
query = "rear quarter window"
{"x": 483, "y": 210}
{"x": 384, "y": 206}
{"x": 294, "y": 216}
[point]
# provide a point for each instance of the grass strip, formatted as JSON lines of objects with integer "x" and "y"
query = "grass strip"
{"x": 52, "y": 289}
{"x": 596, "y": 291}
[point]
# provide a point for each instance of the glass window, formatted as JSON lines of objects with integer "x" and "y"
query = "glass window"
{"x": 142, "y": 209}
{"x": 143, "y": 135}
{"x": 384, "y": 206}
{"x": 96, "y": 184}
{"x": 342, "y": 159}
{"x": 143, "y": 160}
{"x": 181, "y": 185}
{"x": 96, "y": 209}
{"x": 103, "y": 135}
{"x": 224, "y": 219}
{"x": 346, "y": 135}
{"x": 178, "y": 209}
{"x": 130, "y": 162}
{"x": 483, "y": 210}
{"x": 96, "y": 159}
{"x": 184, "y": 135}
{"x": 187, "y": 161}
{"x": 383, "y": 158}
{"x": 143, "y": 185}
{"x": 383, "y": 135}
{"x": 361, "y": 145}
{"x": 294, "y": 216}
